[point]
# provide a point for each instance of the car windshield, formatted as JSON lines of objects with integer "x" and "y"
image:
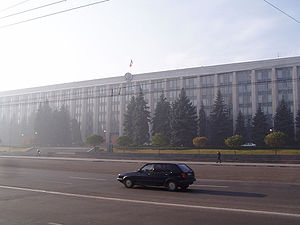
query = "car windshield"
{"x": 184, "y": 168}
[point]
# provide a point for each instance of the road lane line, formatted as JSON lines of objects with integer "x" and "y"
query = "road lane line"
{"x": 245, "y": 181}
{"x": 50, "y": 223}
{"x": 270, "y": 213}
{"x": 87, "y": 178}
{"x": 204, "y": 185}
{"x": 57, "y": 182}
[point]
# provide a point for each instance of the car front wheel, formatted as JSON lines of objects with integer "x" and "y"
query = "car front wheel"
{"x": 128, "y": 183}
{"x": 172, "y": 186}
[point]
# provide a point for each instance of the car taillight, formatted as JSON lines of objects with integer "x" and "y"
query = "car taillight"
{"x": 183, "y": 175}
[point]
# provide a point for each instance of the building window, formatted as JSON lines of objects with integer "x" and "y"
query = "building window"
{"x": 207, "y": 81}
{"x": 244, "y": 76}
{"x": 225, "y": 78}
{"x": 284, "y": 73}
{"x": 157, "y": 90}
{"x": 284, "y": 84}
{"x": 173, "y": 89}
{"x": 245, "y": 92}
{"x": 263, "y": 75}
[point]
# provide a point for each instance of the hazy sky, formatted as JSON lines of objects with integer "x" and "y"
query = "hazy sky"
{"x": 99, "y": 41}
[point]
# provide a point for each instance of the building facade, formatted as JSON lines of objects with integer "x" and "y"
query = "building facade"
{"x": 99, "y": 105}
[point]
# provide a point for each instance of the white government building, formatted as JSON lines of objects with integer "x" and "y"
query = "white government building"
{"x": 99, "y": 105}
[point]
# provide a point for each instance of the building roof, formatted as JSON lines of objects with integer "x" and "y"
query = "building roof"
{"x": 188, "y": 72}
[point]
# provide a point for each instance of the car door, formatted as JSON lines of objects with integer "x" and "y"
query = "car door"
{"x": 156, "y": 177}
{"x": 144, "y": 175}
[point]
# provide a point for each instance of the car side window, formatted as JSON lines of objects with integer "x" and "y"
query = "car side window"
{"x": 174, "y": 169}
{"x": 167, "y": 168}
{"x": 158, "y": 168}
{"x": 147, "y": 168}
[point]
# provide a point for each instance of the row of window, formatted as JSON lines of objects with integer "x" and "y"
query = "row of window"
{"x": 205, "y": 81}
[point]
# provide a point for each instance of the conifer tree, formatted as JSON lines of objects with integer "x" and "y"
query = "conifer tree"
{"x": 259, "y": 127}
{"x": 43, "y": 125}
{"x": 161, "y": 118}
{"x": 240, "y": 128}
{"x": 62, "y": 127}
{"x": 202, "y": 122}
{"x": 220, "y": 124}
{"x": 183, "y": 121}
{"x": 129, "y": 118}
{"x": 249, "y": 130}
{"x": 76, "y": 133}
{"x": 283, "y": 120}
{"x": 141, "y": 120}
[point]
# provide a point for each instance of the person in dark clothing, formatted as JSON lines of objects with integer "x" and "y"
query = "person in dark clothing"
{"x": 219, "y": 157}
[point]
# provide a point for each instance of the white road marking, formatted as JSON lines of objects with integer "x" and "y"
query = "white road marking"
{"x": 246, "y": 181}
{"x": 152, "y": 202}
{"x": 58, "y": 182}
{"x": 87, "y": 178}
{"x": 50, "y": 223}
{"x": 214, "y": 186}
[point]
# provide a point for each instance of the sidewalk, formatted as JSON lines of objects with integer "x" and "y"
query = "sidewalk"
{"x": 149, "y": 160}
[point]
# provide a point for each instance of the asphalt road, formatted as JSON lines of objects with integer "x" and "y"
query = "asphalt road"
{"x": 37, "y": 191}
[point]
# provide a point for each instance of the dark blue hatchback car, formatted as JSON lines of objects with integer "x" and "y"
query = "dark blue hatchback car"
{"x": 170, "y": 175}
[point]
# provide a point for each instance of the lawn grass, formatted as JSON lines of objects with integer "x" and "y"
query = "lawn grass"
{"x": 213, "y": 151}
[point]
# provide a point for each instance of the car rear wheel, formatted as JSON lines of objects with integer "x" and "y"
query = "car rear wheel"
{"x": 172, "y": 186}
{"x": 128, "y": 183}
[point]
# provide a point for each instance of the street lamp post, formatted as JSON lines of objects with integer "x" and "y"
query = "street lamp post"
{"x": 22, "y": 138}
{"x": 108, "y": 142}
{"x": 35, "y": 137}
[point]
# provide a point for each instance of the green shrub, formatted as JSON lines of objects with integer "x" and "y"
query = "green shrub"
{"x": 276, "y": 139}
{"x": 159, "y": 140}
{"x": 124, "y": 141}
{"x": 235, "y": 141}
{"x": 94, "y": 140}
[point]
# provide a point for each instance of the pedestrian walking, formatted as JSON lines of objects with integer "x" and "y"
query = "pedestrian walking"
{"x": 219, "y": 157}
{"x": 38, "y": 152}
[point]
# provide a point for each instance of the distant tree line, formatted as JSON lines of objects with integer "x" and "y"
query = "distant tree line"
{"x": 177, "y": 124}
{"x": 46, "y": 127}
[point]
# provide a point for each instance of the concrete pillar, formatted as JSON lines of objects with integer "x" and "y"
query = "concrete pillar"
{"x": 216, "y": 85}
{"x": 83, "y": 112}
{"x": 235, "y": 99}
{"x": 295, "y": 93}
{"x": 295, "y": 90}
{"x": 151, "y": 99}
{"x": 108, "y": 115}
{"x": 165, "y": 87}
{"x": 181, "y": 83}
{"x": 122, "y": 109}
{"x": 254, "y": 92}
{"x": 72, "y": 104}
{"x": 199, "y": 100}
{"x": 96, "y": 110}
{"x": 274, "y": 91}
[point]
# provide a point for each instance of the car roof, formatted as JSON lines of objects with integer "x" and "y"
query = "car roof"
{"x": 166, "y": 163}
